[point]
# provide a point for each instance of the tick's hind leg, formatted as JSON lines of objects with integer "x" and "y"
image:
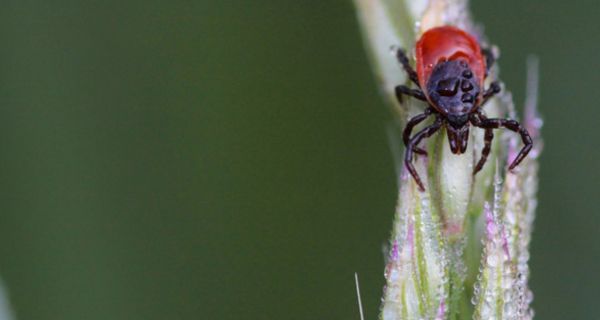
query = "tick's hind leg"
{"x": 494, "y": 88}
{"x": 490, "y": 59}
{"x": 414, "y": 141}
{"x": 403, "y": 59}
{"x": 490, "y": 92}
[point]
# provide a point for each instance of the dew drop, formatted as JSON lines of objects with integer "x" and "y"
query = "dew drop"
{"x": 492, "y": 260}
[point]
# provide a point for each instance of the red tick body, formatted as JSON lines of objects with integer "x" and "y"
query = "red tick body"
{"x": 451, "y": 70}
{"x": 448, "y": 44}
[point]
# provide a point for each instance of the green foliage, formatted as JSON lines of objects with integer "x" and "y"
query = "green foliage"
{"x": 459, "y": 250}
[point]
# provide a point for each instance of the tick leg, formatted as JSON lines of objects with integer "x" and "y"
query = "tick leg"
{"x": 409, "y": 127}
{"x": 490, "y": 92}
{"x": 403, "y": 59}
{"x": 490, "y": 59}
{"x": 489, "y": 136}
{"x": 510, "y": 125}
{"x": 415, "y": 93}
{"x": 408, "y": 156}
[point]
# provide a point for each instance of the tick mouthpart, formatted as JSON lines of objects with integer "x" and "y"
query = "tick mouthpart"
{"x": 458, "y": 120}
{"x": 458, "y": 138}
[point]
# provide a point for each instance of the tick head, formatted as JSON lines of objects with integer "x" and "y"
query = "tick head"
{"x": 457, "y": 120}
{"x": 458, "y": 138}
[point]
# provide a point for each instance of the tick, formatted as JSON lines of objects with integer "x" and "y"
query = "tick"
{"x": 451, "y": 69}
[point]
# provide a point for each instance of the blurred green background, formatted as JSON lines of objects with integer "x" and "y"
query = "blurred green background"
{"x": 228, "y": 159}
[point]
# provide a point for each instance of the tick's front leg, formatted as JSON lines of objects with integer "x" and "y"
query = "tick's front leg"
{"x": 403, "y": 59}
{"x": 411, "y": 124}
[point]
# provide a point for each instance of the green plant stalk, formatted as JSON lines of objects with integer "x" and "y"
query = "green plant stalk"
{"x": 459, "y": 250}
